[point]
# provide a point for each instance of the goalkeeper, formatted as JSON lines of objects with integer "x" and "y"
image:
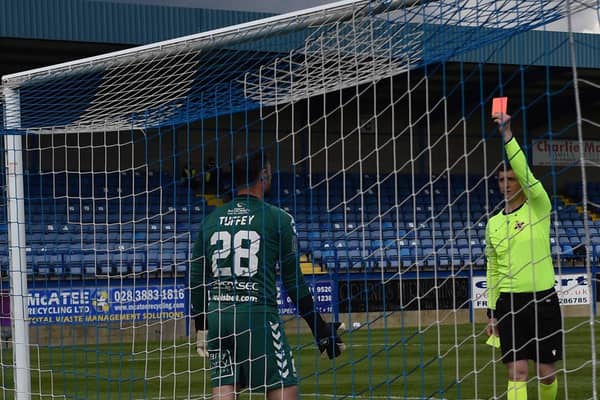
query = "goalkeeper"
{"x": 523, "y": 305}
{"x": 234, "y": 291}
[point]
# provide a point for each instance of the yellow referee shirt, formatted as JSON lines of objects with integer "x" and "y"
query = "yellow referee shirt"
{"x": 517, "y": 244}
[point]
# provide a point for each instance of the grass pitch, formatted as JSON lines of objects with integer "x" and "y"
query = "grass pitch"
{"x": 441, "y": 362}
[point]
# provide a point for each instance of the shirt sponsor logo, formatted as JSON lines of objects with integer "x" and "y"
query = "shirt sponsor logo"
{"x": 234, "y": 298}
{"x": 239, "y": 209}
{"x": 238, "y": 285}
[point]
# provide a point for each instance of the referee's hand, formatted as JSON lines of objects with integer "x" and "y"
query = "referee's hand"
{"x": 492, "y": 327}
{"x": 503, "y": 122}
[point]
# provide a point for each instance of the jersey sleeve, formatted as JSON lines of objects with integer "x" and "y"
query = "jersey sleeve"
{"x": 199, "y": 278}
{"x": 533, "y": 188}
{"x": 491, "y": 272}
{"x": 291, "y": 275}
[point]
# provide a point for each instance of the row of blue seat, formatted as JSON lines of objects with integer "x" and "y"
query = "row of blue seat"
{"x": 341, "y": 260}
{"x": 173, "y": 244}
{"x": 285, "y": 180}
{"x": 95, "y": 264}
{"x": 127, "y": 233}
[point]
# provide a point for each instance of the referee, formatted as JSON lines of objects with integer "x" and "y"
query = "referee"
{"x": 523, "y": 306}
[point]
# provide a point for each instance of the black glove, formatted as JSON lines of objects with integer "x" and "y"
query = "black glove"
{"x": 326, "y": 335}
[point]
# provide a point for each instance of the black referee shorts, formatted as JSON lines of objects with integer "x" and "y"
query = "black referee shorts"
{"x": 530, "y": 326}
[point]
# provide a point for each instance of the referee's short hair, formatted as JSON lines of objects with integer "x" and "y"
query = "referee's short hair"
{"x": 504, "y": 166}
{"x": 248, "y": 165}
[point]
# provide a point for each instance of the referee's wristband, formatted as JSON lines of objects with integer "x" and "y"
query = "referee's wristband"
{"x": 490, "y": 313}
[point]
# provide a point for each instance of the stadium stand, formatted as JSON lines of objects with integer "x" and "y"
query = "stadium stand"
{"x": 118, "y": 227}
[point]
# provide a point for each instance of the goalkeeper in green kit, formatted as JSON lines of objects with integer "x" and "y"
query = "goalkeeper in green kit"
{"x": 234, "y": 290}
{"x": 523, "y": 307}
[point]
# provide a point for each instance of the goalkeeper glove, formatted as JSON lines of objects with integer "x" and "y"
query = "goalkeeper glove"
{"x": 201, "y": 332}
{"x": 201, "y": 347}
{"x": 325, "y": 334}
{"x": 328, "y": 339}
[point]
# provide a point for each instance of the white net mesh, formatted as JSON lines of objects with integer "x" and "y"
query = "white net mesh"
{"x": 377, "y": 118}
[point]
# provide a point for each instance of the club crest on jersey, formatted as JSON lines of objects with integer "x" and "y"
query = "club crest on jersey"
{"x": 239, "y": 209}
{"x": 519, "y": 225}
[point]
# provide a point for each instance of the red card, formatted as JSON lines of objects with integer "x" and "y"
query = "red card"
{"x": 499, "y": 105}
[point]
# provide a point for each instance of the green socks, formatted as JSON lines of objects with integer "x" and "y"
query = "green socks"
{"x": 517, "y": 391}
{"x": 549, "y": 392}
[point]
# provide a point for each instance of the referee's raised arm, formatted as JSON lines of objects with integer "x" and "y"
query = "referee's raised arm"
{"x": 531, "y": 186}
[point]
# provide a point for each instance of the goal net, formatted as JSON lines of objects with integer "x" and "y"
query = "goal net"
{"x": 377, "y": 118}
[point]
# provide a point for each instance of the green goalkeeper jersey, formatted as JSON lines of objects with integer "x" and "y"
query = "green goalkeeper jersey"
{"x": 236, "y": 253}
{"x": 518, "y": 243}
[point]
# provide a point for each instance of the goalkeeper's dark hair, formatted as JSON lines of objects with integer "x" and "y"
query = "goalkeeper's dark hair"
{"x": 248, "y": 165}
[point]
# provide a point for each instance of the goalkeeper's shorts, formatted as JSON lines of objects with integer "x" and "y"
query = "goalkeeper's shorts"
{"x": 249, "y": 350}
{"x": 530, "y": 326}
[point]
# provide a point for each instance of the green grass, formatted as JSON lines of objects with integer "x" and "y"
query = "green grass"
{"x": 451, "y": 363}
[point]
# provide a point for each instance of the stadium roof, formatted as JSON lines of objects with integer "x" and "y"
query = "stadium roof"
{"x": 135, "y": 24}
{"x": 108, "y": 22}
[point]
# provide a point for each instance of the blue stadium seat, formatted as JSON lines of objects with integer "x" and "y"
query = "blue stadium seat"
{"x": 41, "y": 264}
{"x": 577, "y": 223}
{"x": 315, "y": 244}
{"x": 426, "y": 243}
{"x": 389, "y": 234}
{"x": 182, "y": 264}
{"x": 103, "y": 263}
{"x": 375, "y": 244}
{"x": 314, "y": 235}
{"x": 340, "y": 244}
{"x": 304, "y": 245}
{"x": 425, "y": 234}
{"x": 556, "y": 251}
{"x": 391, "y": 256}
{"x": 120, "y": 262}
{"x": 327, "y": 244}
{"x": 89, "y": 263}
{"x": 354, "y": 244}
{"x": 596, "y": 253}
{"x": 329, "y": 258}
{"x": 457, "y": 225}
{"x": 387, "y": 226}
{"x": 460, "y": 234}
{"x": 477, "y": 252}
{"x": 465, "y": 254}
{"x": 567, "y": 250}
{"x": 564, "y": 240}
{"x": 475, "y": 241}
{"x": 153, "y": 261}
{"x": 138, "y": 262}
{"x": 73, "y": 263}
{"x": 429, "y": 257}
